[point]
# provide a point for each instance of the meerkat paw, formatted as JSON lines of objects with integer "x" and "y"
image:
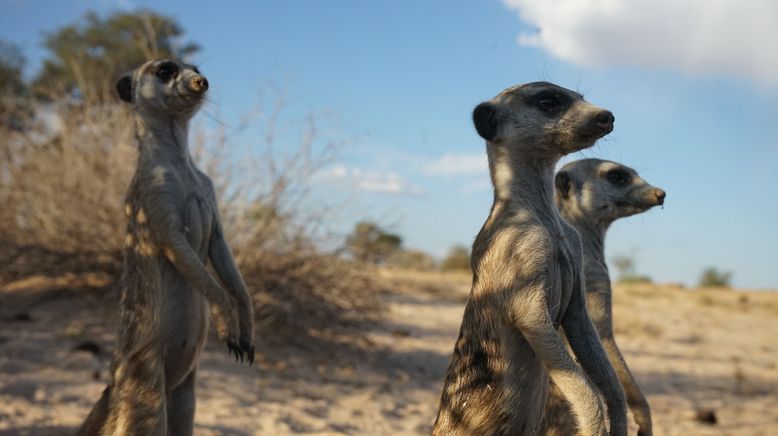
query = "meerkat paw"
{"x": 234, "y": 348}
{"x": 240, "y": 348}
{"x": 247, "y": 346}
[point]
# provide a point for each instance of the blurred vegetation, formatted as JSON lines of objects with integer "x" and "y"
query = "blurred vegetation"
{"x": 711, "y": 277}
{"x": 458, "y": 258}
{"x": 627, "y": 273}
{"x": 14, "y": 106}
{"x": 369, "y": 243}
{"x": 84, "y": 59}
{"x": 411, "y": 259}
{"x": 11, "y": 65}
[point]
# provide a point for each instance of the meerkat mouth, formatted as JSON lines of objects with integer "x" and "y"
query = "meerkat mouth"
{"x": 585, "y": 140}
{"x": 633, "y": 208}
{"x": 593, "y": 136}
{"x": 191, "y": 99}
{"x": 191, "y": 95}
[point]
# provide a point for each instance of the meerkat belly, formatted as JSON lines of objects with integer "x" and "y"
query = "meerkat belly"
{"x": 186, "y": 310}
{"x": 185, "y": 323}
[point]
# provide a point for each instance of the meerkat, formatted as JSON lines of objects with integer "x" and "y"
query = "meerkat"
{"x": 527, "y": 280}
{"x": 590, "y": 195}
{"x": 166, "y": 290}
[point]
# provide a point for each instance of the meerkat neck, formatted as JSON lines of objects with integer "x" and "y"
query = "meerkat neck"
{"x": 166, "y": 135}
{"x": 521, "y": 181}
{"x": 592, "y": 234}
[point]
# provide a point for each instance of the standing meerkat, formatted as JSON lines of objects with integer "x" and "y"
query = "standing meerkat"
{"x": 590, "y": 195}
{"x": 166, "y": 290}
{"x": 527, "y": 280}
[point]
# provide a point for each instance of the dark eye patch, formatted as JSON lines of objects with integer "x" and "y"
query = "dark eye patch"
{"x": 194, "y": 68}
{"x": 166, "y": 71}
{"x": 618, "y": 177}
{"x": 549, "y": 102}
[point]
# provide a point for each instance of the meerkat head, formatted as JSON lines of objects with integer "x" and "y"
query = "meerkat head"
{"x": 603, "y": 190}
{"x": 164, "y": 86}
{"x": 541, "y": 119}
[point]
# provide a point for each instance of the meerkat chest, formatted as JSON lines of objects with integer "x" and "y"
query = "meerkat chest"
{"x": 198, "y": 213}
{"x": 195, "y": 205}
{"x": 198, "y": 220}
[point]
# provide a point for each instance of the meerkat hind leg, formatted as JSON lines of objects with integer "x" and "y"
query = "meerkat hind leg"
{"x": 181, "y": 407}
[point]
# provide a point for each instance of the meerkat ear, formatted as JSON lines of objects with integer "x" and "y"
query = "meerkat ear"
{"x": 562, "y": 183}
{"x": 484, "y": 118}
{"x": 124, "y": 88}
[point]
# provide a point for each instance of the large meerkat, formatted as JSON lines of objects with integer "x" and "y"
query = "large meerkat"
{"x": 527, "y": 280}
{"x": 590, "y": 195}
{"x": 166, "y": 290}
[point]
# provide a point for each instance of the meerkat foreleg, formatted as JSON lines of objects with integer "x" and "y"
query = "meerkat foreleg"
{"x": 224, "y": 265}
{"x": 530, "y": 313}
{"x": 635, "y": 398}
{"x": 599, "y": 306}
{"x": 587, "y": 347}
{"x": 185, "y": 260}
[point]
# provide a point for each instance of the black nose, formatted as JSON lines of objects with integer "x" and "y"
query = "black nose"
{"x": 199, "y": 84}
{"x": 605, "y": 118}
{"x": 660, "y": 195}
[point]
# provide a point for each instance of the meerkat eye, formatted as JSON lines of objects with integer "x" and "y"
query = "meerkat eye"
{"x": 548, "y": 102}
{"x": 195, "y": 70}
{"x": 166, "y": 71}
{"x": 618, "y": 177}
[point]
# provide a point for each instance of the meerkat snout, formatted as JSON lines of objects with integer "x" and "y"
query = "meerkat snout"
{"x": 198, "y": 84}
{"x": 606, "y": 119}
{"x": 599, "y": 125}
{"x": 660, "y": 196}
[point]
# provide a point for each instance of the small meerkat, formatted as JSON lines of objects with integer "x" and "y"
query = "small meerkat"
{"x": 166, "y": 290}
{"x": 528, "y": 280}
{"x": 590, "y": 195}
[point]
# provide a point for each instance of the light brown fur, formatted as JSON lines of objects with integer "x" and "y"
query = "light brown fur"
{"x": 527, "y": 280}
{"x": 590, "y": 195}
{"x": 173, "y": 231}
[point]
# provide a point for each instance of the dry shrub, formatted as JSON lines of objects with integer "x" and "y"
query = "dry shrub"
{"x": 304, "y": 291}
{"x": 62, "y": 184}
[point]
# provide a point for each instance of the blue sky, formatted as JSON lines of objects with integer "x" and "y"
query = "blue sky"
{"x": 693, "y": 86}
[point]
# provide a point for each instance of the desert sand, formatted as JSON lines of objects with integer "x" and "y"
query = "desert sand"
{"x": 693, "y": 351}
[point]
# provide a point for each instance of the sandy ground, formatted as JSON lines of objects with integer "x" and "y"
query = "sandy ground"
{"x": 690, "y": 350}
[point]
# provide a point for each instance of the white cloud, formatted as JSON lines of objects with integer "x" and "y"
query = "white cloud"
{"x": 463, "y": 164}
{"x": 732, "y": 37}
{"x": 386, "y": 182}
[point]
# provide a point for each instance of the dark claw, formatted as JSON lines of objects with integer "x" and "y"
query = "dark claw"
{"x": 233, "y": 348}
{"x": 248, "y": 347}
{"x": 251, "y": 355}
